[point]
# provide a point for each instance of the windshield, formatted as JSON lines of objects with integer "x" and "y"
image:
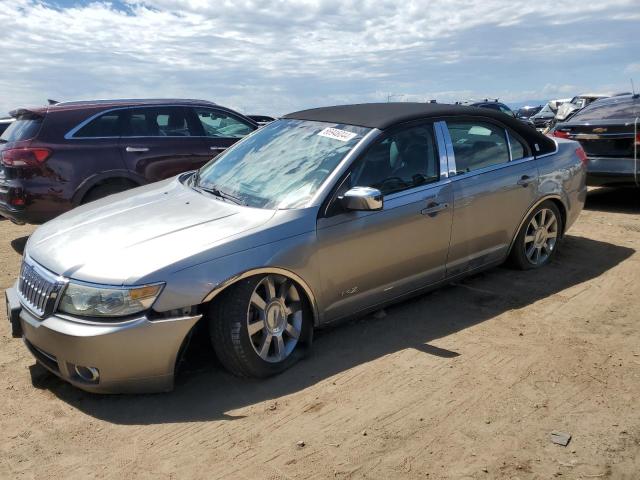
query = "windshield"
{"x": 282, "y": 164}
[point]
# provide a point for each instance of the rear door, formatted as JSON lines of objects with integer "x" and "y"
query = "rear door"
{"x": 159, "y": 142}
{"x": 495, "y": 183}
{"x": 221, "y": 129}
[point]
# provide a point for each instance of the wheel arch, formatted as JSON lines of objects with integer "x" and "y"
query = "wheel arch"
{"x": 308, "y": 292}
{"x": 102, "y": 178}
{"x": 557, "y": 200}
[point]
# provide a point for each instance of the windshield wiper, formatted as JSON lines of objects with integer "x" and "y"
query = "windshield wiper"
{"x": 221, "y": 194}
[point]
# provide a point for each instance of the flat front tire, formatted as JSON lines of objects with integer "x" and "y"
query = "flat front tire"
{"x": 260, "y": 326}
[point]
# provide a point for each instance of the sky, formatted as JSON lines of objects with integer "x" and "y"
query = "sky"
{"x": 273, "y": 57}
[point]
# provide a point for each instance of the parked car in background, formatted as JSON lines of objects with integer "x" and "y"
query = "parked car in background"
{"x": 578, "y": 102}
{"x": 542, "y": 120}
{"x": 498, "y": 106}
{"x": 261, "y": 119}
{"x": 286, "y": 231}
{"x": 609, "y": 132}
{"x": 57, "y": 157}
{"x": 4, "y": 124}
{"x": 527, "y": 111}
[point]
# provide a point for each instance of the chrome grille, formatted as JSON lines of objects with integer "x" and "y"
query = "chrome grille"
{"x": 38, "y": 289}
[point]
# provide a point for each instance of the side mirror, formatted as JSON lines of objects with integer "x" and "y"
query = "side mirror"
{"x": 362, "y": 198}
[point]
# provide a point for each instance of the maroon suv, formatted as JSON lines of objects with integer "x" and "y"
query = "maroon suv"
{"x": 56, "y": 157}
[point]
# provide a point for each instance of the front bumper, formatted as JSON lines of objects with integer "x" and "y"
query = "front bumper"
{"x": 135, "y": 356}
{"x": 606, "y": 171}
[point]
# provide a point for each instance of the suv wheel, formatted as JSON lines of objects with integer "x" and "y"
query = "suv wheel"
{"x": 537, "y": 241}
{"x": 106, "y": 189}
{"x": 260, "y": 326}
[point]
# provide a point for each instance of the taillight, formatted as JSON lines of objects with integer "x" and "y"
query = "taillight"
{"x": 638, "y": 139}
{"x": 582, "y": 155}
{"x": 24, "y": 157}
{"x": 560, "y": 134}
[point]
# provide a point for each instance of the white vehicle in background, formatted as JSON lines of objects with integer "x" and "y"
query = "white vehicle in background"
{"x": 577, "y": 103}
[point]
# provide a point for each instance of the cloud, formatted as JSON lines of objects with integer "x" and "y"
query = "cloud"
{"x": 274, "y": 57}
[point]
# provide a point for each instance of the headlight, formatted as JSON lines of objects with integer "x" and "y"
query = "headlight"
{"x": 88, "y": 301}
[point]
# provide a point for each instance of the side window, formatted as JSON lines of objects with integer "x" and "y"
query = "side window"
{"x": 518, "y": 149}
{"x": 220, "y": 124}
{"x": 477, "y": 145}
{"x": 106, "y": 125}
{"x": 403, "y": 160}
{"x": 158, "y": 122}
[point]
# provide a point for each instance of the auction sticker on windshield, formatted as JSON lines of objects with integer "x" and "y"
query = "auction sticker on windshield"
{"x": 337, "y": 134}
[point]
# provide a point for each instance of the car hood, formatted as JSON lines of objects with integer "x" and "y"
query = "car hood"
{"x": 128, "y": 236}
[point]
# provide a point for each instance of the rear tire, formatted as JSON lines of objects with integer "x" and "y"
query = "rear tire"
{"x": 539, "y": 237}
{"x": 106, "y": 189}
{"x": 260, "y": 326}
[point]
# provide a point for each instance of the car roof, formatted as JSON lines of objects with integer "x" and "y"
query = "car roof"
{"x": 386, "y": 115}
{"x": 122, "y": 102}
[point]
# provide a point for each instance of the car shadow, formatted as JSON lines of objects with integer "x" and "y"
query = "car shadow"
{"x": 19, "y": 243}
{"x": 204, "y": 391}
{"x": 614, "y": 200}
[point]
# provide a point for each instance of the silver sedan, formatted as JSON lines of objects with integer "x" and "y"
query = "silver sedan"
{"x": 323, "y": 214}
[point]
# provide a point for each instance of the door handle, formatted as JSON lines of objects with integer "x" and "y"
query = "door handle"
{"x": 525, "y": 180}
{"x": 433, "y": 208}
{"x": 217, "y": 149}
{"x": 137, "y": 149}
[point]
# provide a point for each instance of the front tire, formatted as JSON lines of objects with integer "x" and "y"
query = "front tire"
{"x": 538, "y": 239}
{"x": 260, "y": 326}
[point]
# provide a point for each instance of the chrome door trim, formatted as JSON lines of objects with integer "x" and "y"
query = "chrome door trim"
{"x": 508, "y": 137}
{"x": 265, "y": 271}
{"x": 453, "y": 171}
{"x": 439, "y": 127}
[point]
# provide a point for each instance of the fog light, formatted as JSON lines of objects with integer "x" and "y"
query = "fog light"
{"x": 88, "y": 374}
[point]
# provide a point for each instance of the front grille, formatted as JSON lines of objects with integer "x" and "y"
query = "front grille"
{"x": 38, "y": 289}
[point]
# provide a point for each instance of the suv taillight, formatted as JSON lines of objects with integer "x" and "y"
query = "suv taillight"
{"x": 24, "y": 157}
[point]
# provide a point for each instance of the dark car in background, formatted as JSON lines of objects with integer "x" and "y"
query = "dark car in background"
{"x": 609, "y": 132}
{"x": 498, "y": 106}
{"x": 261, "y": 119}
{"x": 527, "y": 111}
{"x": 56, "y": 157}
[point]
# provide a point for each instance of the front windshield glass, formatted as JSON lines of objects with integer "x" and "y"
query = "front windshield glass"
{"x": 282, "y": 164}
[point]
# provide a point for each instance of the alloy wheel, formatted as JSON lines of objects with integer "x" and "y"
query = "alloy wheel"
{"x": 541, "y": 236}
{"x": 274, "y": 318}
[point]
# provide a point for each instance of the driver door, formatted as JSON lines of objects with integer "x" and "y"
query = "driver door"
{"x": 367, "y": 258}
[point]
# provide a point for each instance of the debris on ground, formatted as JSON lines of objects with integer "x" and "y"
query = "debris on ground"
{"x": 560, "y": 438}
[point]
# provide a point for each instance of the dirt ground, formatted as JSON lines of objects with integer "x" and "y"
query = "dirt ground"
{"x": 467, "y": 382}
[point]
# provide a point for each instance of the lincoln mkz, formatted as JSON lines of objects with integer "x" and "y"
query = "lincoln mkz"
{"x": 320, "y": 215}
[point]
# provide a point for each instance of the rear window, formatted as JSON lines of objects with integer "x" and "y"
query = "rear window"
{"x": 624, "y": 108}
{"x": 22, "y": 129}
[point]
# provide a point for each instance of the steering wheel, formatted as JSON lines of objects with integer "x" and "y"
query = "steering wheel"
{"x": 398, "y": 182}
